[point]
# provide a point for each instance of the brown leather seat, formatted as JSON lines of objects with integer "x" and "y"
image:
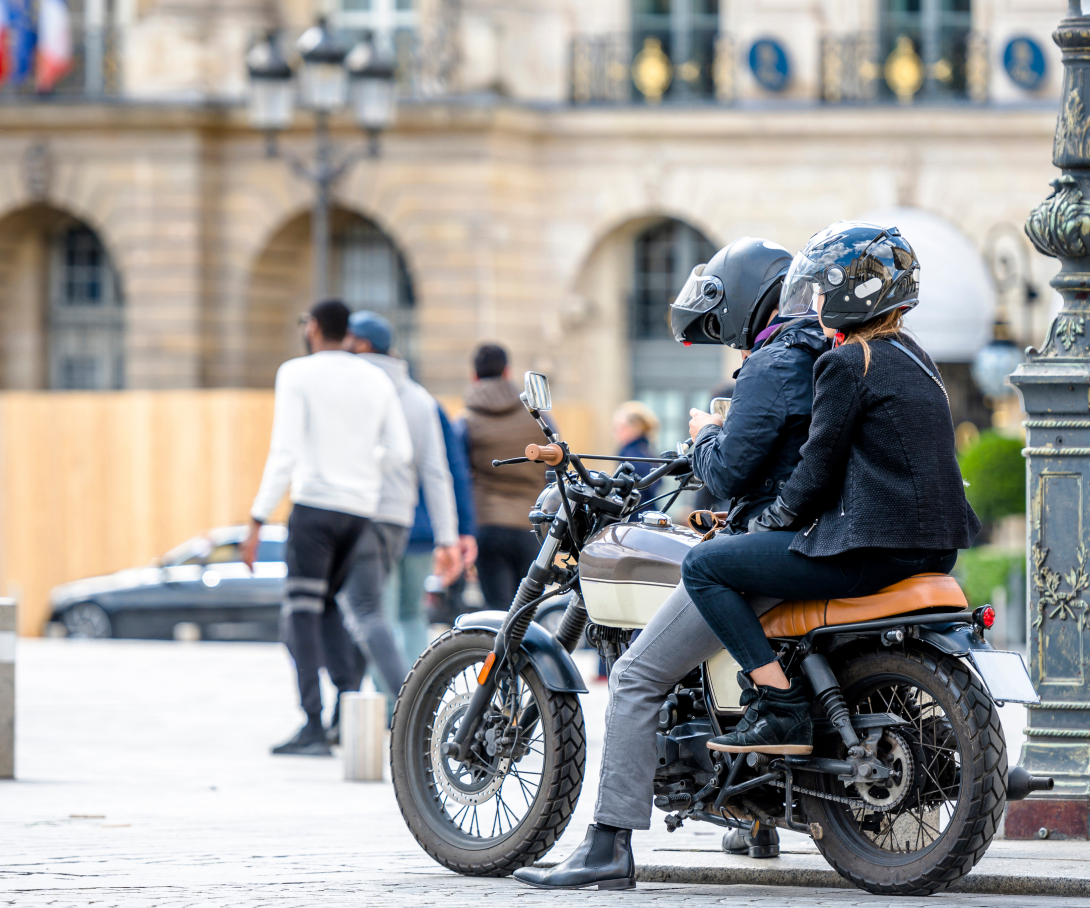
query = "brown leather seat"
{"x": 922, "y": 592}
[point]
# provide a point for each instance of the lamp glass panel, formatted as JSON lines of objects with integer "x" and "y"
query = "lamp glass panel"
{"x": 271, "y": 103}
{"x": 324, "y": 86}
{"x": 373, "y": 102}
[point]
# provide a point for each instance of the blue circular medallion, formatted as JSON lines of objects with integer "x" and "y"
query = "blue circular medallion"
{"x": 769, "y": 65}
{"x": 1024, "y": 61}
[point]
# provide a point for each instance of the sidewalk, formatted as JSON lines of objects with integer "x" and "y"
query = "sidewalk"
{"x": 145, "y": 778}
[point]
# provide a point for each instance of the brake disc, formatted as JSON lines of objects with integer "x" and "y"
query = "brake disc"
{"x": 889, "y": 794}
{"x": 464, "y": 783}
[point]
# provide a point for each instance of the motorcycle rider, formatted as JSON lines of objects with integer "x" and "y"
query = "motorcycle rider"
{"x": 877, "y": 496}
{"x": 732, "y": 300}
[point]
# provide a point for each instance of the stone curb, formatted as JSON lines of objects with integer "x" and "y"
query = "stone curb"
{"x": 976, "y": 882}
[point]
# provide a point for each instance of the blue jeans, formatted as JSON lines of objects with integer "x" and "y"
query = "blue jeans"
{"x": 718, "y": 571}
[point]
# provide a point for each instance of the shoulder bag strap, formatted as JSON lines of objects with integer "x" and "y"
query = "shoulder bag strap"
{"x": 919, "y": 362}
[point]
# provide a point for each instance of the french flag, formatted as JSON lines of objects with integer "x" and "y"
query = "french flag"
{"x": 54, "y": 43}
{"x": 5, "y": 42}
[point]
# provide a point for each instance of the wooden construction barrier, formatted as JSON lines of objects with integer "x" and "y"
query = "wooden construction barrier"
{"x": 93, "y": 482}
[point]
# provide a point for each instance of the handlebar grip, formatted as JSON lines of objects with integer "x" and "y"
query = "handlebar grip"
{"x": 550, "y": 454}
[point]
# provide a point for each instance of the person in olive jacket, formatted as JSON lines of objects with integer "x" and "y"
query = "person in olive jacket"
{"x": 497, "y": 426}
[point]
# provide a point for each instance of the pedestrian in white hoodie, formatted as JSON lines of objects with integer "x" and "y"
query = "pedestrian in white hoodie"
{"x": 371, "y": 336}
{"x": 337, "y": 427}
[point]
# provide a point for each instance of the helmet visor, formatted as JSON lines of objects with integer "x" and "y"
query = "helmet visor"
{"x": 699, "y": 293}
{"x": 801, "y": 288}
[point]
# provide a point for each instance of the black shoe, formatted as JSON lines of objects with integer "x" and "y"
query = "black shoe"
{"x": 604, "y": 860}
{"x": 333, "y": 732}
{"x": 765, "y": 844}
{"x": 776, "y": 722}
{"x": 310, "y": 742}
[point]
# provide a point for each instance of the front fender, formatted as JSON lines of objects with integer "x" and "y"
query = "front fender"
{"x": 553, "y": 663}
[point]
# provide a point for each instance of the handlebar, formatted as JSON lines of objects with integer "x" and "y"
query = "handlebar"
{"x": 553, "y": 455}
{"x": 681, "y": 464}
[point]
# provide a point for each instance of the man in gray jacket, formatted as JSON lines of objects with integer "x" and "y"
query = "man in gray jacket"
{"x": 371, "y": 336}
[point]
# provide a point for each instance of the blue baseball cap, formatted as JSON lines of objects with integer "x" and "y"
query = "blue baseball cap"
{"x": 370, "y": 326}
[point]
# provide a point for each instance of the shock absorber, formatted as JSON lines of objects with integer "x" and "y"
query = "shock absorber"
{"x": 572, "y": 624}
{"x": 827, "y": 690}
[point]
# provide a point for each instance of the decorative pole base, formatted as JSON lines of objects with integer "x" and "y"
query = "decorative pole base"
{"x": 1048, "y": 818}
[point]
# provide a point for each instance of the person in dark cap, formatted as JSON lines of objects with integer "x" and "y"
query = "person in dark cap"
{"x": 371, "y": 337}
{"x": 337, "y": 427}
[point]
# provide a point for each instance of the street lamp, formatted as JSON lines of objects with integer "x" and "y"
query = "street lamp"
{"x": 328, "y": 66}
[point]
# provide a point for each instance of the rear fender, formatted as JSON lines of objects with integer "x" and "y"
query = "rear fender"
{"x": 953, "y": 639}
{"x": 553, "y": 664}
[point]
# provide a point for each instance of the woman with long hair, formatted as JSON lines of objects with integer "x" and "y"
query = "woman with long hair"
{"x": 877, "y": 496}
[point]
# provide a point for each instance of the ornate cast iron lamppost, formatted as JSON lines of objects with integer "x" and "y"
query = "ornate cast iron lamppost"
{"x": 1055, "y": 388}
{"x": 332, "y": 78}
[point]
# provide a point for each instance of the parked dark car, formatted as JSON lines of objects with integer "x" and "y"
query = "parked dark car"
{"x": 200, "y": 583}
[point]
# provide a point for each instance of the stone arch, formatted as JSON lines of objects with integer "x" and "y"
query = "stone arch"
{"x": 368, "y": 268}
{"x": 62, "y": 318}
{"x": 605, "y": 353}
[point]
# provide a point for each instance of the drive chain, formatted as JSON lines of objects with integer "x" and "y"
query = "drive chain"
{"x": 851, "y": 802}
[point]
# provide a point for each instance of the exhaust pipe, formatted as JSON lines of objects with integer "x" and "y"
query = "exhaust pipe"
{"x": 1020, "y": 783}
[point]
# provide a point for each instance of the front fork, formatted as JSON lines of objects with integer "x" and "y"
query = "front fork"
{"x": 511, "y": 633}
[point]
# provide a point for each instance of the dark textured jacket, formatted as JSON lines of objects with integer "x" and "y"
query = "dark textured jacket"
{"x": 879, "y": 469}
{"x": 497, "y": 427}
{"x": 753, "y": 455}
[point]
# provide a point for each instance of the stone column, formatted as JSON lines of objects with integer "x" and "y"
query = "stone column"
{"x": 7, "y": 688}
{"x": 1055, "y": 388}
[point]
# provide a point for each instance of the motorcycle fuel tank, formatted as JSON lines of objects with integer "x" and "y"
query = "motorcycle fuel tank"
{"x": 627, "y": 570}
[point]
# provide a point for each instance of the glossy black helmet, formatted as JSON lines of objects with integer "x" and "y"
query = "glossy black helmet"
{"x": 864, "y": 271}
{"x": 728, "y": 300}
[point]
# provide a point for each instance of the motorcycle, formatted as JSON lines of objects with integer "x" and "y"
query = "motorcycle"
{"x": 908, "y": 778}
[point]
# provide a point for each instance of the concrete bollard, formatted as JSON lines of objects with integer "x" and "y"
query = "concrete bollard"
{"x": 7, "y": 688}
{"x": 363, "y": 733}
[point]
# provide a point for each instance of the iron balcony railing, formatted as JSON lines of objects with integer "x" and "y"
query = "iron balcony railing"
{"x": 652, "y": 67}
{"x": 872, "y": 68}
{"x": 95, "y": 71}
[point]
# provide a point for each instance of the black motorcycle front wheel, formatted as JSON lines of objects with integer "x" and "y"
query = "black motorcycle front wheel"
{"x": 931, "y": 821}
{"x": 506, "y": 805}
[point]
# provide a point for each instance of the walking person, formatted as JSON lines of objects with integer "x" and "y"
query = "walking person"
{"x": 371, "y": 337}
{"x": 337, "y": 426}
{"x": 497, "y": 427}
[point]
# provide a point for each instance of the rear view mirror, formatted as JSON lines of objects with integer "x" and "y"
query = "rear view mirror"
{"x": 720, "y": 407}
{"x": 537, "y": 396}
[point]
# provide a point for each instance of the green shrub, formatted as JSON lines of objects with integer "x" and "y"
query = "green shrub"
{"x": 996, "y": 472}
{"x": 981, "y": 570}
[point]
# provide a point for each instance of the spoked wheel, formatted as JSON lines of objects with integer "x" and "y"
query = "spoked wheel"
{"x": 929, "y": 823}
{"x": 506, "y": 805}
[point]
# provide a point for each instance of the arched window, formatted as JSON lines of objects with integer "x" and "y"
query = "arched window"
{"x": 372, "y": 275}
{"x": 668, "y": 377}
{"x": 86, "y": 318}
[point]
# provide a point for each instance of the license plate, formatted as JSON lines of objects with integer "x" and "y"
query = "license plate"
{"x": 1006, "y": 676}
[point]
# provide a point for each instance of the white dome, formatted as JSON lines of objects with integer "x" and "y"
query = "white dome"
{"x": 957, "y": 297}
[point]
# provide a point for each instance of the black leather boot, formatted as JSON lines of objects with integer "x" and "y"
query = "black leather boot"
{"x": 604, "y": 860}
{"x": 776, "y": 722}
{"x": 765, "y": 844}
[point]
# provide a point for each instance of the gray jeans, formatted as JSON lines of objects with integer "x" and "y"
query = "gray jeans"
{"x": 360, "y": 600}
{"x": 675, "y": 641}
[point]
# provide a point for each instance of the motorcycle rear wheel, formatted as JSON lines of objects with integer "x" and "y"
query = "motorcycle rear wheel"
{"x": 957, "y": 793}
{"x": 441, "y": 800}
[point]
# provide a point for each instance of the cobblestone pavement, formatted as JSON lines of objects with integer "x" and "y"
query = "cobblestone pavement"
{"x": 145, "y": 780}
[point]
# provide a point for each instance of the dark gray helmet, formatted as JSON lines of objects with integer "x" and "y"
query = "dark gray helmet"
{"x": 728, "y": 300}
{"x": 864, "y": 270}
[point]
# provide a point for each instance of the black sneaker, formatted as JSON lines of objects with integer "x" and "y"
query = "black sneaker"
{"x": 310, "y": 742}
{"x": 776, "y": 722}
{"x": 333, "y": 732}
{"x": 764, "y": 844}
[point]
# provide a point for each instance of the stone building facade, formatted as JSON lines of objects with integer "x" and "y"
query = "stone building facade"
{"x": 555, "y": 170}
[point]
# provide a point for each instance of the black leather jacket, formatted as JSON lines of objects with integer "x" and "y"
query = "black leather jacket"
{"x": 749, "y": 460}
